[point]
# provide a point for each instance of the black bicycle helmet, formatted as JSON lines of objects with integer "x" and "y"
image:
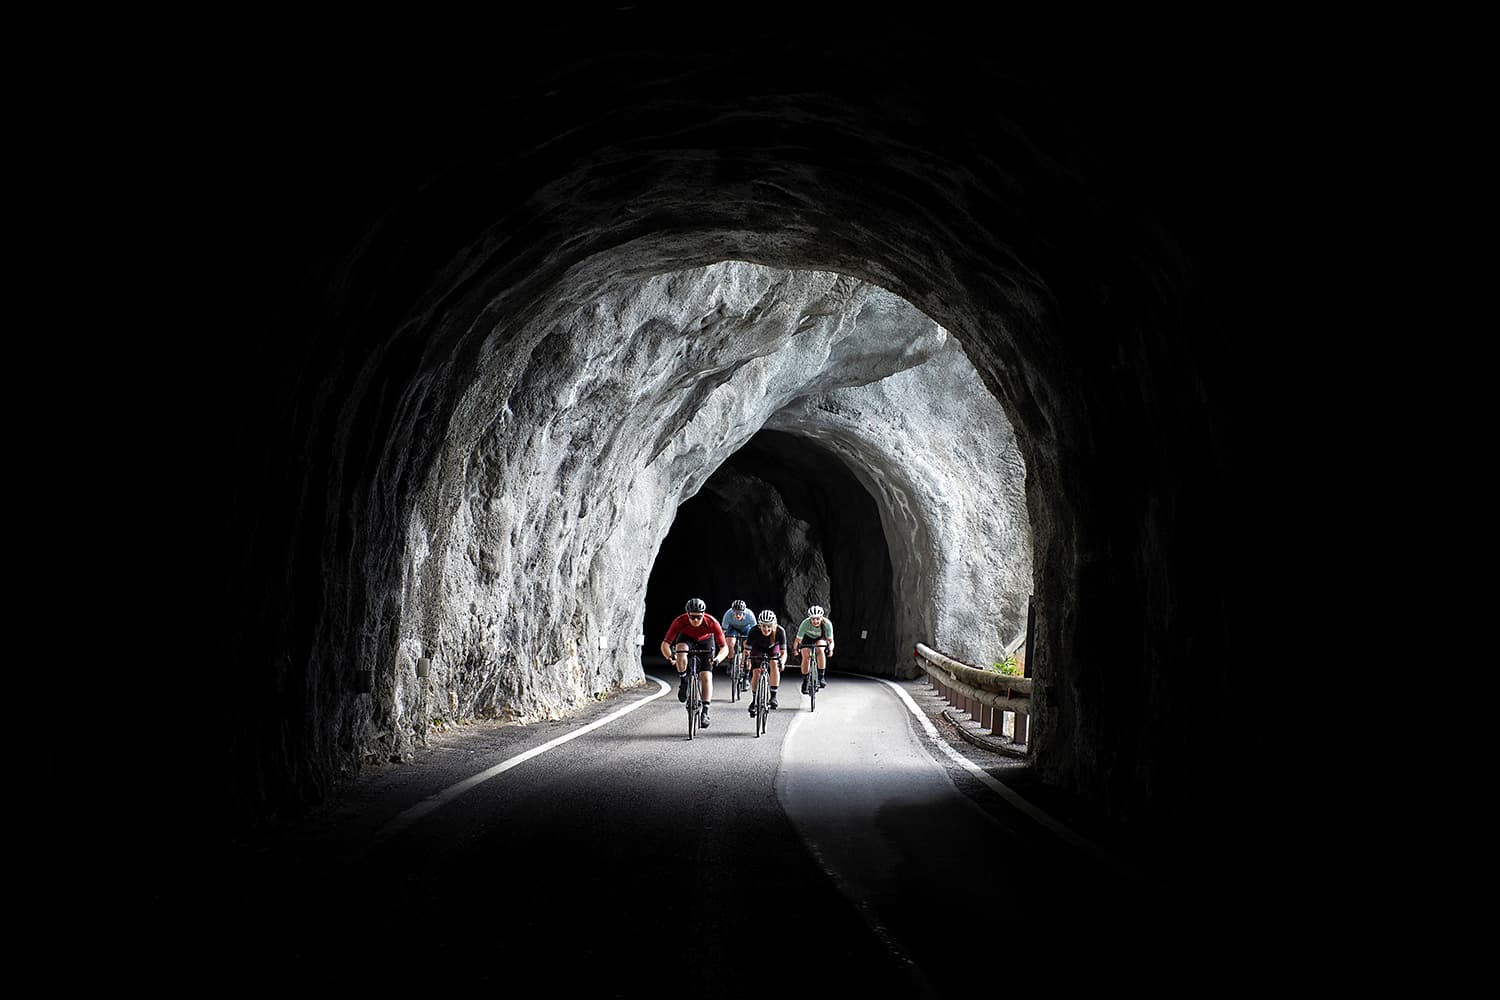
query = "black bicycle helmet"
{"x": 696, "y": 607}
{"x": 738, "y": 605}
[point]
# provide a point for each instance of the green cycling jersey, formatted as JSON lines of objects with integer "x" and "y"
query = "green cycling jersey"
{"x": 807, "y": 630}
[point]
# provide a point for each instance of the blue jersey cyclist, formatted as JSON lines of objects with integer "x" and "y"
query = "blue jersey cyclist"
{"x": 695, "y": 629}
{"x": 815, "y": 633}
{"x": 737, "y": 622}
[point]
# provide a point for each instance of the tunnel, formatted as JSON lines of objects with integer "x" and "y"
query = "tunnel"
{"x": 856, "y": 421}
{"x": 426, "y": 456}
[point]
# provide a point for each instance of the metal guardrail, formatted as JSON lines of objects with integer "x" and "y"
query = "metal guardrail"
{"x": 985, "y": 694}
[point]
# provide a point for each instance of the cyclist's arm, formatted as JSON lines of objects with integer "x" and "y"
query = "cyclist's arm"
{"x": 672, "y": 633}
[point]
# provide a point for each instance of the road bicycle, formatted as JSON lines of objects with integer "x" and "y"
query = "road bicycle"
{"x": 761, "y": 698}
{"x": 736, "y": 669}
{"x": 694, "y": 696}
{"x": 814, "y": 671}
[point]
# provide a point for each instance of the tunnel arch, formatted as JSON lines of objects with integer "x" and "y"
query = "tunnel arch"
{"x": 1017, "y": 195}
{"x": 536, "y": 535}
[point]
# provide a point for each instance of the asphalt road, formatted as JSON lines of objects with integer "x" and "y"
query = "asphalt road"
{"x": 845, "y": 847}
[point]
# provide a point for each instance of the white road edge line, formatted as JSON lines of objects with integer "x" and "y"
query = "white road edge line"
{"x": 427, "y": 805}
{"x": 1093, "y": 850}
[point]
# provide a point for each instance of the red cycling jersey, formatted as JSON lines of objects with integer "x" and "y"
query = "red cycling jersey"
{"x": 709, "y": 626}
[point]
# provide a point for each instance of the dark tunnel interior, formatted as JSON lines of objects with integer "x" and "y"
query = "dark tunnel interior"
{"x": 732, "y": 541}
{"x": 1149, "y": 237}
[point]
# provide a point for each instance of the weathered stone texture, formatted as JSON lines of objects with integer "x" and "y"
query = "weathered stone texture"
{"x": 1123, "y": 225}
{"x": 534, "y": 538}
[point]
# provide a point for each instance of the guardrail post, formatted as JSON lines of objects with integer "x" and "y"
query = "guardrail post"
{"x": 1019, "y": 733}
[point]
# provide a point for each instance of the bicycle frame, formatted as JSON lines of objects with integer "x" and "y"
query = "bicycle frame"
{"x": 817, "y": 663}
{"x": 694, "y": 695}
{"x": 736, "y": 666}
{"x": 763, "y": 692}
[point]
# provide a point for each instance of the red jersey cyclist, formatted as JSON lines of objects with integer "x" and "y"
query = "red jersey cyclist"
{"x": 696, "y": 629}
{"x": 764, "y": 646}
{"x": 815, "y": 632}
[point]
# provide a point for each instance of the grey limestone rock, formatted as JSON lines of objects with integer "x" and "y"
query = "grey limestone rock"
{"x": 531, "y": 544}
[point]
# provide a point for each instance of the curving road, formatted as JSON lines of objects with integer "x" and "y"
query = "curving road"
{"x": 848, "y": 845}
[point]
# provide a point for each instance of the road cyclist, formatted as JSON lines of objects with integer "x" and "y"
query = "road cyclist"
{"x": 765, "y": 646}
{"x": 814, "y": 640}
{"x": 696, "y": 630}
{"x": 737, "y": 623}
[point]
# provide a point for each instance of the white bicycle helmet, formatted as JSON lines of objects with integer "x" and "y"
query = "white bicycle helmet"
{"x": 738, "y": 605}
{"x": 768, "y": 618}
{"x": 816, "y": 611}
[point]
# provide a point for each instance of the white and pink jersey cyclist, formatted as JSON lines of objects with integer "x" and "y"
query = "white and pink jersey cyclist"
{"x": 766, "y": 646}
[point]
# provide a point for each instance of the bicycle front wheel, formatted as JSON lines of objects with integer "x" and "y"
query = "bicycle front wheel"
{"x": 694, "y": 703}
{"x": 734, "y": 678}
{"x": 762, "y": 699}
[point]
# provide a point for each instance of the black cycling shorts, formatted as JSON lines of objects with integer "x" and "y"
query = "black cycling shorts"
{"x": 704, "y": 645}
{"x": 758, "y": 658}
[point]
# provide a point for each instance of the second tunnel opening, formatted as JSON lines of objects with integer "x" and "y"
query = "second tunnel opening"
{"x": 782, "y": 524}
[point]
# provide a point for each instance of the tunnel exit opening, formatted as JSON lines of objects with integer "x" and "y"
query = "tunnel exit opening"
{"x": 781, "y": 524}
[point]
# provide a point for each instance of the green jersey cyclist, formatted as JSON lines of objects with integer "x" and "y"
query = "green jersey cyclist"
{"x": 815, "y": 633}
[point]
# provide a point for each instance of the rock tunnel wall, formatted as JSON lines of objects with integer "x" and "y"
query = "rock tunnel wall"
{"x": 566, "y": 462}
{"x": 1112, "y": 221}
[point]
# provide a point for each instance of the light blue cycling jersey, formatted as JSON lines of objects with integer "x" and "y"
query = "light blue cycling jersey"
{"x": 738, "y": 622}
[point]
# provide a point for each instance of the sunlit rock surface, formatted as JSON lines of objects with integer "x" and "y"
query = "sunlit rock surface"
{"x": 532, "y": 543}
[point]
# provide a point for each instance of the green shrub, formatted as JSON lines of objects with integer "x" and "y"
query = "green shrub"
{"x": 1007, "y": 665}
